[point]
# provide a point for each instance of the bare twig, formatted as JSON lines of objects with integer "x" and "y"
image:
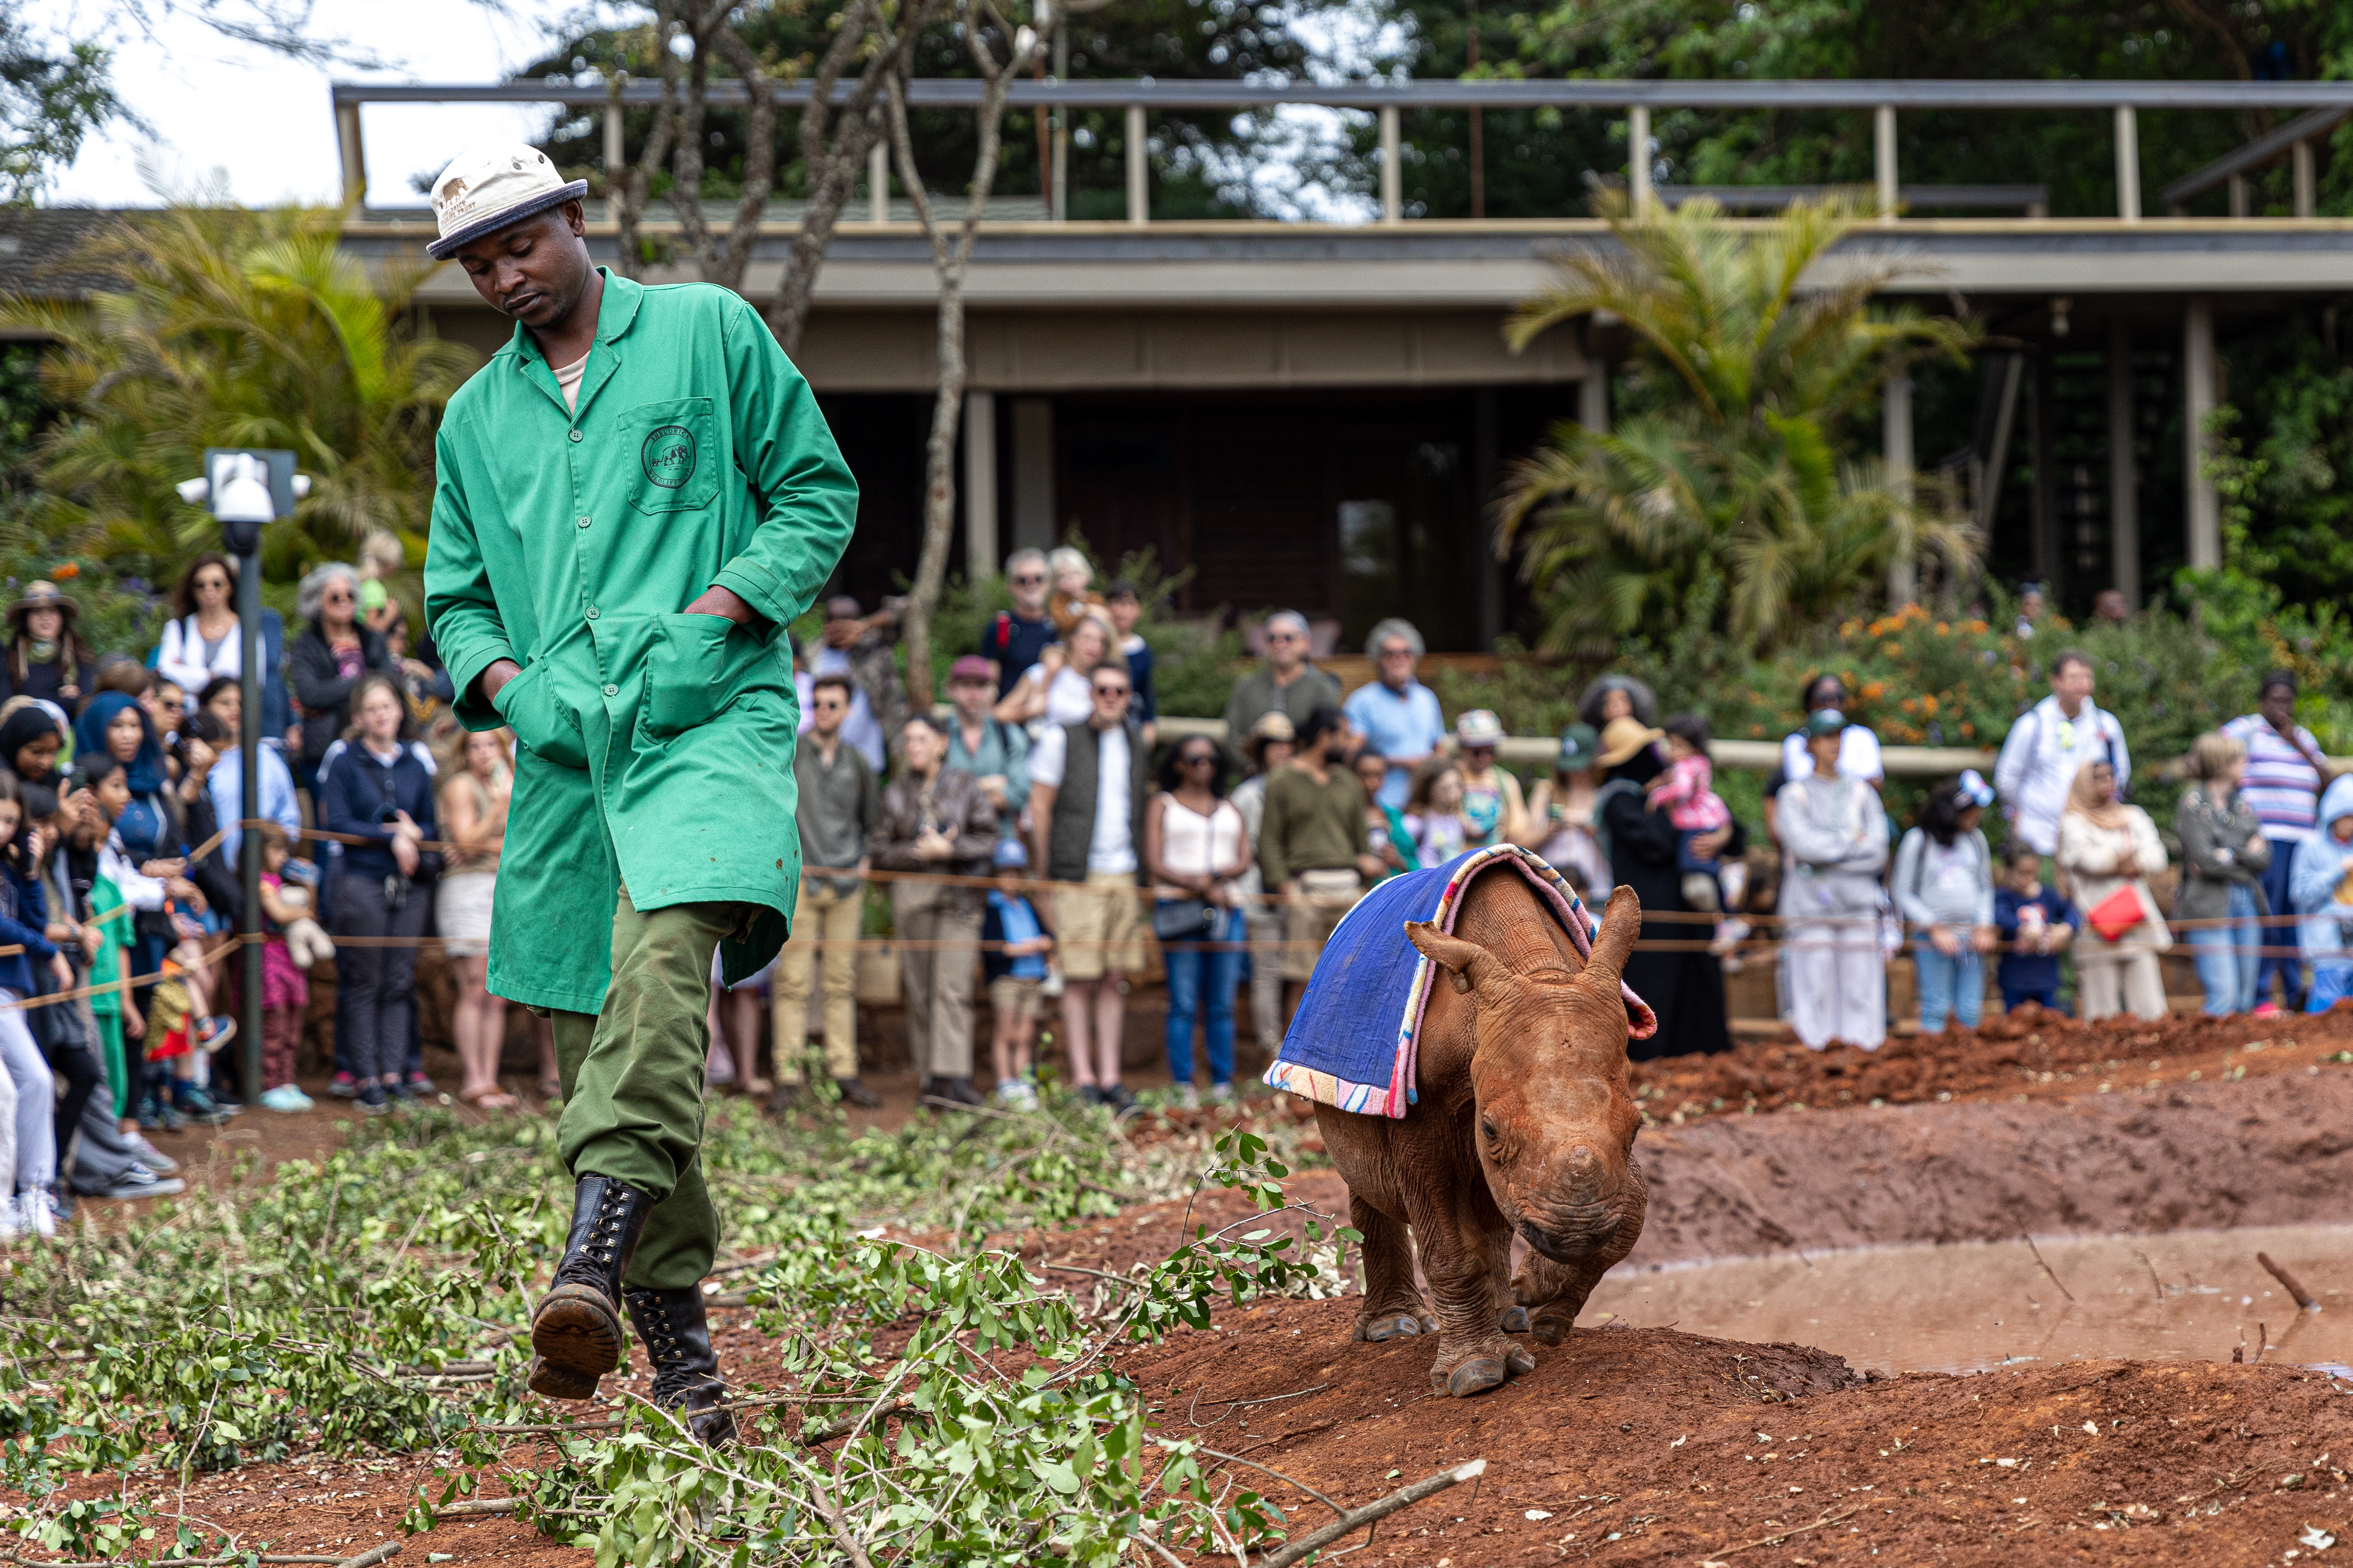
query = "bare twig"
{"x": 2303, "y": 1298}
{"x": 479, "y": 1508}
{"x": 2154, "y": 1283}
{"x": 1278, "y": 1475}
{"x": 371, "y": 1556}
{"x": 1405, "y": 1497}
{"x": 2045, "y": 1267}
{"x": 1777, "y": 1540}
{"x": 833, "y": 1518}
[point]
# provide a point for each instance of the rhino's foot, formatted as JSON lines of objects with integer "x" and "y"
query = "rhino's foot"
{"x": 1479, "y": 1367}
{"x": 1377, "y": 1327}
{"x": 1514, "y": 1320}
{"x": 1550, "y": 1324}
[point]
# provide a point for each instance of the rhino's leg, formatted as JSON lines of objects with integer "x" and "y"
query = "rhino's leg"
{"x": 1393, "y": 1304}
{"x": 1509, "y": 1315}
{"x": 1554, "y": 1293}
{"x": 1464, "y": 1255}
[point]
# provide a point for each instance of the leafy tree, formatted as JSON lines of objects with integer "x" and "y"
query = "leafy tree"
{"x": 50, "y": 102}
{"x": 1722, "y": 504}
{"x": 229, "y": 328}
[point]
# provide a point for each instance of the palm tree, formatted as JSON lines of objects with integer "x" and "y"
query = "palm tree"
{"x": 216, "y": 326}
{"x": 1726, "y": 497}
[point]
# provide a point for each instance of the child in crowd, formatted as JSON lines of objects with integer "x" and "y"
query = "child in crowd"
{"x": 2036, "y": 924}
{"x": 381, "y": 556}
{"x": 28, "y": 1119}
{"x": 1125, "y": 607}
{"x": 1013, "y": 954}
{"x": 285, "y": 989}
{"x": 1686, "y": 793}
{"x": 1386, "y": 838}
{"x": 1075, "y": 597}
{"x": 110, "y": 934}
{"x": 1433, "y": 813}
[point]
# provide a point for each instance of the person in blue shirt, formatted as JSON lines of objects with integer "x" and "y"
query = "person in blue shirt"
{"x": 1396, "y": 715}
{"x": 2035, "y": 923}
{"x": 380, "y": 794}
{"x": 223, "y": 700}
{"x": 1013, "y": 948}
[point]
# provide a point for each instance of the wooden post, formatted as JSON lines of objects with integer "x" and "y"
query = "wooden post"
{"x": 347, "y": 141}
{"x": 1638, "y": 158}
{"x": 1883, "y": 138}
{"x": 2238, "y": 196}
{"x": 1896, "y": 448}
{"x": 2128, "y": 164}
{"x": 2205, "y": 508}
{"x": 1392, "y": 175}
{"x": 617, "y": 153}
{"x": 1139, "y": 189}
{"x": 877, "y": 181}
{"x": 2299, "y": 157}
{"x": 2045, "y": 515}
{"x": 2123, "y": 488}
{"x": 979, "y": 485}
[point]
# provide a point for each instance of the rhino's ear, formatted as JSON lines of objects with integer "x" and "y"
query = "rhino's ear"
{"x": 1465, "y": 962}
{"x": 1622, "y": 922}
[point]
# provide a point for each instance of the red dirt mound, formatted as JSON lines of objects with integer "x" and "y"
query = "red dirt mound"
{"x": 1650, "y": 1446}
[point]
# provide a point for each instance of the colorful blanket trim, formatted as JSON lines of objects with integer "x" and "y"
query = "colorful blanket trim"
{"x": 1393, "y": 1098}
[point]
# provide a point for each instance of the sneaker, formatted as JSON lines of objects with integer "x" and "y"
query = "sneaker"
{"x": 417, "y": 1085}
{"x": 345, "y": 1086}
{"x": 155, "y": 1158}
{"x": 374, "y": 1102}
{"x": 167, "y": 1116}
{"x": 197, "y": 1105}
{"x": 1188, "y": 1098}
{"x": 62, "y": 1194}
{"x": 718, "y": 1069}
{"x": 1118, "y": 1098}
{"x": 2267, "y": 1010}
{"x": 285, "y": 1098}
{"x": 151, "y": 1115}
{"x": 215, "y": 1031}
{"x": 1222, "y": 1094}
{"x": 40, "y": 1213}
{"x": 1729, "y": 934}
{"x": 1090, "y": 1095}
{"x": 1015, "y": 1094}
{"x": 855, "y": 1092}
{"x": 12, "y": 1219}
{"x": 140, "y": 1182}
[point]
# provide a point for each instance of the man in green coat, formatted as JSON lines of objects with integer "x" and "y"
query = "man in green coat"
{"x": 635, "y": 495}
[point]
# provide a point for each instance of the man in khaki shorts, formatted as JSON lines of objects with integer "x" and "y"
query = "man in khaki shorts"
{"x": 1311, "y": 844}
{"x": 1088, "y": 786}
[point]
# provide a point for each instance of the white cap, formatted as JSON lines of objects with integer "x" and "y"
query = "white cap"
{"x": 488, "y": 188}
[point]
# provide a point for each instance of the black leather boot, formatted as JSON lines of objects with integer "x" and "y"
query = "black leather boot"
{"x": 677, "y": 1336}
{"x": 575, "y": 1330}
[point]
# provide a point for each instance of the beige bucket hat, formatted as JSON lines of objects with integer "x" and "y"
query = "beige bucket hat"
{"x": 487, "y": 188}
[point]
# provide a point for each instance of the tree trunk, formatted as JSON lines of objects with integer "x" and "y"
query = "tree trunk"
{"x": 625, "y": 189}
{"x": 951, "y": 260}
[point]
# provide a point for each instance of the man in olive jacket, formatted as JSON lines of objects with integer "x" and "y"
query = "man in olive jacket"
{"x": 635, "y": 495}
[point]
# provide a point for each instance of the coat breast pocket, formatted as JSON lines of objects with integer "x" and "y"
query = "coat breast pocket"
{"x": 675, "y": 448}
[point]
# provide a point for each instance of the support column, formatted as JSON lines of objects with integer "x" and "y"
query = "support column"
{"x": 2299, "y": 158}
{"x": 1638, "y": 158}
{"x": 2128, "y": 164}
{"x": 1593, "y": 392}
{"x": 980, "y": 556}
{"x": 347, "y": 142}
{"x": 1883, "y": 141}
{"x": 2124, "y": 478}
{"x": 2044, "y": 553}
{"x": 1033, "y": 474}
{"x": 2238, "y": 186}
{"x": 1139, "y": 188}
{"x": 2205, "y": 506}
{"x": 616, "y": 150}
{"x": 1392, "y": 175}
{"x": 1486, "y": 566}
{"x": 878, "y": 182}
{"x": 1895, "y": 451}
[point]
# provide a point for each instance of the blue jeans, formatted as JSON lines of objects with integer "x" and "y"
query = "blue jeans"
{"x": 2228, "y": 977}
{"x": 2011, "y": 996}
{"x": 1194, "y": 968}
{"x": 1949, "y": 988}
{"x": 2282, "y": 931}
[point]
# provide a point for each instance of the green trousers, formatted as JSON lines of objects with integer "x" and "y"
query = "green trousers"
{"x": 633, "y": 1082}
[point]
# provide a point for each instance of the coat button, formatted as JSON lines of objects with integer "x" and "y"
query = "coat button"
{"x": 612, "y": 691}
{"x": 592, "y": 612}
{"x": 583, "y": 522}
{"x": 575, "y": 435}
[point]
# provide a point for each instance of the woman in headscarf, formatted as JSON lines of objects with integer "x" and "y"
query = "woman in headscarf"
{"x": 1833, "y": 846}
{"x": 30, "y": 740}
{"x": 46, "y": 656}
{"x": 2108, "y": 849}
{"x": 1683, "y": 986}
{"x": 2321, "y": 888}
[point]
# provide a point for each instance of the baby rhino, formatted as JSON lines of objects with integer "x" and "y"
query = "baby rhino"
{"x": 1524, "y": 1124}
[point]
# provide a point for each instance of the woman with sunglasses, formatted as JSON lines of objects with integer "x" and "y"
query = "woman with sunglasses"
{"x": 336, "y": 649}
{"x": 202, "y": 644}
{"x": 1195, "y": 845}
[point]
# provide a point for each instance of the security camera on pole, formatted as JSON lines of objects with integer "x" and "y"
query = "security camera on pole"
{"x": 246, "y": 489}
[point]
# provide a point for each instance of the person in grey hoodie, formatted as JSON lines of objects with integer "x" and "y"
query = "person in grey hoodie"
{"x": 1943, "y": 886}
{"x": 1833, "y": 843}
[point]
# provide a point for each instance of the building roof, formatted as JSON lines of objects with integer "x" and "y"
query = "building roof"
{"x": 37, "y": 243}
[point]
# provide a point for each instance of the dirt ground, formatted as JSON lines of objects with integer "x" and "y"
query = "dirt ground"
{"x": 1653, "y": 1445}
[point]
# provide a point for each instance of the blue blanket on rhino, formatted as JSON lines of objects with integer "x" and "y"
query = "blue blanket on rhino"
{"x": 1355, "y": 1041}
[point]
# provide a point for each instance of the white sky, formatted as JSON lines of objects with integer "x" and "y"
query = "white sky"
{"x": 265, "y": 121}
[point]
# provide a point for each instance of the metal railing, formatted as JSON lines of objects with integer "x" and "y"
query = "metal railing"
{"x": 2328, "y": 102}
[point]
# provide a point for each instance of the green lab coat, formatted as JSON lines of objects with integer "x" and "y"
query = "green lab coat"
{"x": 656, "y": 747}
